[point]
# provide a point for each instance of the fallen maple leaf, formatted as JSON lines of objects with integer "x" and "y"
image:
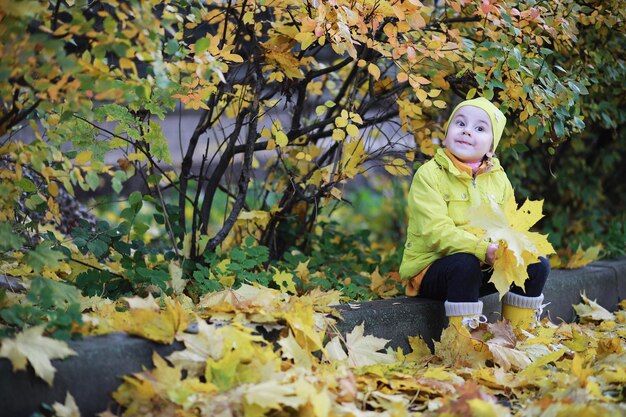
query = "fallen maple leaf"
{"x": 148, "y": 303}
{"x": 419, "y": 349}
{"x": 589, "y": 310}
{"x": 362, "y": 350}
{"x": 472, "y": 401}
{"x": 508, "y": 358}
{"x": 159, "y": 326}
{"x": 30, "y": 346}
{"x": 68, "y": 409}
{"x": 583, "y": 257}
{"x": 292, "y": 350}
{"x": 207, "y": 343}
{"x": 458, "y": 348}
{"x": 517, "y": 246}
{"x": 383, "y": 285}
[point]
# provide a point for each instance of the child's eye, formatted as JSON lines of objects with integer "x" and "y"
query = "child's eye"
{"x": 480, "y": 129}
{"x": 460, "y": 123}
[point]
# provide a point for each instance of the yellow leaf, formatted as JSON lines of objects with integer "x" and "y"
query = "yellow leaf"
{"x": 206, "y": 343}
{"x": 30, "y": 346}
{"x": 507, "y": 270}
{"x": 356, "y": 118}
{"x": 374, "y": 71}
{"x": 402, "y": 77}
{"x": 352, "y": 130}
{"x": 419, "y": 348}
{"x": 439, "y": 104}
{"x": 482, "y": 408}
{"x": 83, "y": 157}
{"x": 292, "y": 350}
{"x": 353, "y": 156}
{"x": 177, "y": 283}
{"x": 544, "y": 360}
{"x": 508, "y": 358}
{"x": 53, "y": 188}
{"x": 589, "y": 310}
{"x": 362, "y": 350}
{"x": 159, "y": 326}
{"x": 341, "y": 121}
{"x": 306, "y": 39}
{"x": 147, "y": 303}
{"x": 274, "y": 395}
{"x": 302, "y": 270}
{"x": 281, "y": 138}
{"x": 69, "y": 409}
{"x": 509, "y": 226}
{"x": 266, "y": 133}
{"x": 339, "y": 135}
{"x": 456, "y": 348}
{"x": 248, "y": 18}
{"x": 285, "y": 281}
{"x": 300, "y": 317}
{"x": 421, "y": 95}
{"x": 583, "y": 257}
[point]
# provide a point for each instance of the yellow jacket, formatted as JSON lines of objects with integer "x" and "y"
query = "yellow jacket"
{"x": 441, "y": 192}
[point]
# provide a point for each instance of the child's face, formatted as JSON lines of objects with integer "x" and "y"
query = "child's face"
{"x": 470, "y": 134}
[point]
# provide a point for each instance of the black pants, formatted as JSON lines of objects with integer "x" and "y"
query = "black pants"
{"x": 459, "y": 278}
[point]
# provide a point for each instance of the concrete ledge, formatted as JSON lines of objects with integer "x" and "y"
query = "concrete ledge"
{"x": 91, "y": 377}
{"x": 603, "y": 281}
{"x": 96, "y": 372}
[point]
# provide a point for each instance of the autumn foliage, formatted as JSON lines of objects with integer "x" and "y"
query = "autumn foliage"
{"x": 297, "y": 103}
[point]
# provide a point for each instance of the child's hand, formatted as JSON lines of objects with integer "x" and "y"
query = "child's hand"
{"x": 491, "y": 253}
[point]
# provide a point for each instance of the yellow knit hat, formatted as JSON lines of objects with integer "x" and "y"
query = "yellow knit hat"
{"x": 498, "y": 120}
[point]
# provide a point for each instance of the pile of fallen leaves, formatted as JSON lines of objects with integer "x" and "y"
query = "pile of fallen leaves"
{"x": 304, "y": 367}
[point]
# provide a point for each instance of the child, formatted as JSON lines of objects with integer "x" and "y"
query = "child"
{"x": 442, "y": 260}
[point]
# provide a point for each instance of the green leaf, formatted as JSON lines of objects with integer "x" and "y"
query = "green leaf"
{"x": 135, "y": 200}
{"x": 98, "y": 247}
{"x": 512, "y": 62}
{"x": 559, "y": 129}
{"x": 93, "y": 181}
{"x": 26, "y": 185}
{"x": 158, "y": 143}
{"x": 43, "y": 255}
{"x": 47, "y": 293}
{"x": 520, "y": 148}
{"x": 8, "y": 239}
{"x": 201, "y": 45}
{"x": 171, "y": 47}
{"x": 140, "y": 228}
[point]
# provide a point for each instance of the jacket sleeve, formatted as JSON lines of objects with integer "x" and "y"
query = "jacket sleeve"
{"x": 432, "y": 224}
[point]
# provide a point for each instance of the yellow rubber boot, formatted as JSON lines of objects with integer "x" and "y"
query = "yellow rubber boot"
{"x": 521, "y": 311}
{"x": 465, "y": 317}
{"x": 520, "y": 318}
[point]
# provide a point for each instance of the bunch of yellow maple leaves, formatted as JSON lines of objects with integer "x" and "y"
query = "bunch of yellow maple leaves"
{"x": 228, "y": 369}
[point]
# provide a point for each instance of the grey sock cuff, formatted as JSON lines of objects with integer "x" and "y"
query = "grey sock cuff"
{"x": 521, "y": 301}
{"x": 463, "y": 309}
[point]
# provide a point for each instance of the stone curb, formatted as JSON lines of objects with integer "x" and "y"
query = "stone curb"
{"x": 396, "y": 319}
{"x": 102, "y": 361}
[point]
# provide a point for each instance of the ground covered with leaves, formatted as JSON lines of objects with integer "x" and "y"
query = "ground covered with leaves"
{"x": 304, "y": 367}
